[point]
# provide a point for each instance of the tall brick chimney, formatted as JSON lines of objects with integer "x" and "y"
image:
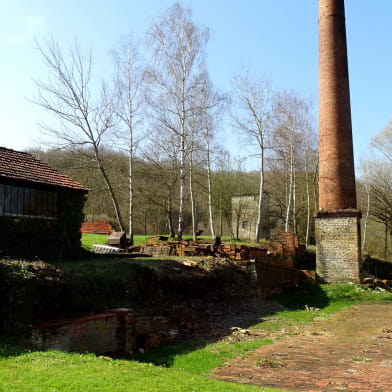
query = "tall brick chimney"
{"x": 337, "y": 222}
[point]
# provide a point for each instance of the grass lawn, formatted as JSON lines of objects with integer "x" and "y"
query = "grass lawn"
{"x": 180, "y": 367}
{"x": 54, "y": 371}
{"x": 88, "y": 240}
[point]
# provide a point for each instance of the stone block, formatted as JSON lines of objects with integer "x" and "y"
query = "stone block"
{"x": 338, "y": 246}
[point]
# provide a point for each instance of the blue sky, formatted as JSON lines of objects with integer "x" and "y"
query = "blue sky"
{"x": 275, "y": 39}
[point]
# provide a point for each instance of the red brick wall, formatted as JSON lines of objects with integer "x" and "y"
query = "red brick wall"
{"x": 97, "y": 227}
{"x": 275, "y": 269}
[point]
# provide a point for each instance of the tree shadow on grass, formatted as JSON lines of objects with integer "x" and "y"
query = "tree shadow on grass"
{"x": 165, "y": 355}
{"x": 9, "y": 347}
{"x": 250, "y": 312}
{"x": 307, "y": 294}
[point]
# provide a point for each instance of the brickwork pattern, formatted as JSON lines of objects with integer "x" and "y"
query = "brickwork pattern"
{"x": 325, "y": 356}
{"x": 103, "y": 227}
{"x": 336, "y": 162}
{"x": 275, "y": 266}
{"x": 337, "y": 238}
{"x": 338, "y": 250}
{"x": 286, "y": 245}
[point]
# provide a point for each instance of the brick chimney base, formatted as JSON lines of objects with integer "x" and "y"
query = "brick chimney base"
{"x": 338, "y": 251}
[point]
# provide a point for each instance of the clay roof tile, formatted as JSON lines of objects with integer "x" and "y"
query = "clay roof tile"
{"x": 18, "y": 165}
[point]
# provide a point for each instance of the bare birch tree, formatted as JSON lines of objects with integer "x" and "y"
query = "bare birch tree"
{"x": 378, "y": 179}
{"x": 85, "y": 116}
{"x": 211, "y": 108}
{"x": 160, "y": 177}
{"x": 381, "y": 197}
{"x": 291, "y": 127}
{"x": 382, "y": 142}
{"x": 192, "y": 147}
{"x": 253, "y": 116}
{"x": 129, "y": 91}
{"x": 309, "y": 140}
{"x": 366, "y": 218}
{"x": 208, "y": 129}
{"x": 178, "y": 48}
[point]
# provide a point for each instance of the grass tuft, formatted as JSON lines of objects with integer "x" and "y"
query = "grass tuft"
{"x": 180, "y": 367}
{"x": 199, "y": 357}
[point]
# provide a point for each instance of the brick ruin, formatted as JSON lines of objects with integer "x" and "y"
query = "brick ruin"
{"x": 114, "y": 331}
{"x": 337, "y": 222}
{"x": 265, "y": 270}
{"x": 103, "y": 227}
{"x": 277, "y": 262}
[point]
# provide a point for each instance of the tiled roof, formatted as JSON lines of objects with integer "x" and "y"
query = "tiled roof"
{"x": 17, "y": 165}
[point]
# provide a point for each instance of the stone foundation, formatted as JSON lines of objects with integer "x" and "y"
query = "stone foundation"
{"x": 115, "y": 331}
{"x": 338, "y": 241}
{"x": 95, "y": 333}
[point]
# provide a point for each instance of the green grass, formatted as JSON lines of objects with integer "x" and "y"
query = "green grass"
{"x": 199, "y": 357}
{"x": 88, "y": 240}
{"x": 180, "y": 367}
{"x": 327, "y": 299}
{"x": 55, "y": 371}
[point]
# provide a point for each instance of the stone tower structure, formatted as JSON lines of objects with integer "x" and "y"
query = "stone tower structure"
{"x": 337, "y": 221}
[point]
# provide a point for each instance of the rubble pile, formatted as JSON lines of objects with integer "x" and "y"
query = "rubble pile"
{"x": 160, "y": 246}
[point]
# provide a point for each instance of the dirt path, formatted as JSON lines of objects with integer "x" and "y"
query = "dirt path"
{"x": 351, "y": 351}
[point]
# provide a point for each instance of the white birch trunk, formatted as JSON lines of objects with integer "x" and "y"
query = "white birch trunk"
{"x": 367, "y": 188}
{"x": 307, "y": 200}
{"x": 112, "y": 195}
{"x": 131, "y": 147}
{"x": 261, "y": 193}
{"x": 289, "y": 196}
{"x": 209, "y": 183}
{"x": 182, "y": 189}
{"x": 182, "y": 158}
{"x": 294, "y": 198}
{"x": 191, "y": 195}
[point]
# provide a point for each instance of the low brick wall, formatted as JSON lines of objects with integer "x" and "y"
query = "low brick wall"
{"x": 115, "y": 331}
{"x": 157, "y": 250}
{"x": 95, "y": 333}
{"x": 276, "y": 266}
{"x": 103, "y": 227}
{"x": 273, "y": 278}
